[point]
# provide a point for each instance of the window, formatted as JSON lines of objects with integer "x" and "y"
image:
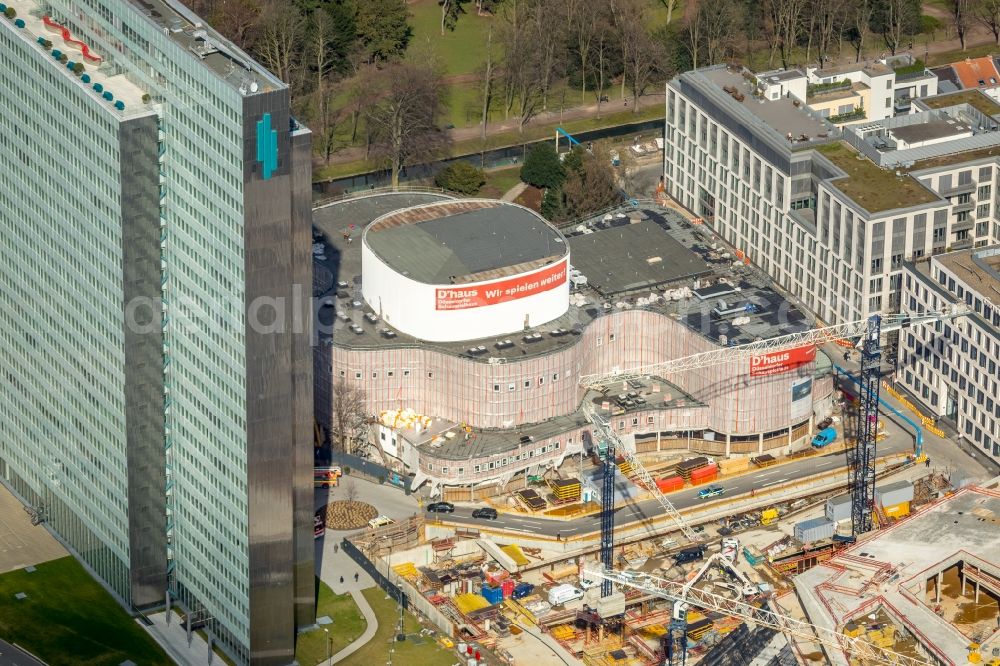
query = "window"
{"x": 527, "y": 383}
{"x": 357, "y": 375}
{"x": 461, "y": 471}
{"x": 477, "y": 468}
{"x": 496, "y": 388}
{"x": 430, "y": 375}
{"x": 555, "y": 376}
{"x": 611, "y": 338}
{"x": 406, "y": 373}
{"x": 444, "y": 470}
{"x": 390, "y": 373}
{"x": 343, "y": 373}
{"x": 511, "y": 386}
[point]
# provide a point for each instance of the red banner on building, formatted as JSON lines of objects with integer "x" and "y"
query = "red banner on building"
{"x": 461, "y": 297}
{"x": 782, "y": 361}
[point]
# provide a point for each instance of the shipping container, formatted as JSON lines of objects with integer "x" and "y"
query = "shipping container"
{"x": 494, "y": 595}
{"x": 897, "y": 510}
{"x": 670, "y": 484}
{"x": 710, "y": 474}
{"x": 894, "y": 493}
{"x": 813, "y": 530}
{"x": 838, "y": 508}
{"x": 508, "y": 588}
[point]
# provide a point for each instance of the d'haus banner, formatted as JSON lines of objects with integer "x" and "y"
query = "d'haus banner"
{"x": 501, "y": 291}
{"x": 776, "y": 363}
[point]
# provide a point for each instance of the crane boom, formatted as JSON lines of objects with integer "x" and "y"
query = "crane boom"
{"x": 812, "y": 337}
{"x": 830, "y": 639}
{"x": 608, "y": 434}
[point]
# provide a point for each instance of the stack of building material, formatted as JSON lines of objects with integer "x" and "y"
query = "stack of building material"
{"x": 733, "y": 465}
{"x": 406, "y": 570}
{"x": 531, "y": 499}
{"x": 670, "y": 484}
{"x": 704, "y": 474}
{"x": 765, "y": 460}
{"x": 882, "y": 635}
{"x": 685, "y": 468}
{"x": 624, "y": 466}
{"x": 467, "y": 603}
{"x": 895, "y": 498}
{"x": 565, "y": 490}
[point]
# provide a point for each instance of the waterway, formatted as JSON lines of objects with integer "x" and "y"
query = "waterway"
{"x": 499, "y": 157}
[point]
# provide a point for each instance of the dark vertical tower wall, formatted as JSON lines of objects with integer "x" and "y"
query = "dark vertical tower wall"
{"x": 273, "y": 313}
{"x": 143, "y": 338}
{"x": 302, "y": 376}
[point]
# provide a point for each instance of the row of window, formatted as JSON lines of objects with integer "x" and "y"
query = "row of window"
{"x": 504, "y": 461}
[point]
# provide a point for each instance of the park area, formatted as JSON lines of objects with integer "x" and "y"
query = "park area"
{"x": 66, "y": 617}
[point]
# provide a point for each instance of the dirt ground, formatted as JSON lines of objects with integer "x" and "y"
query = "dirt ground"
{"x": 21, "y": 543}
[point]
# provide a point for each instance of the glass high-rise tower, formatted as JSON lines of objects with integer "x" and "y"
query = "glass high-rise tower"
{"x": 155, "y": 369}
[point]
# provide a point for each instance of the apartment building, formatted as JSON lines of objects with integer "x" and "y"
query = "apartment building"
{"x": 831, "y": 212}
{"x": 156, "y": 192}
{"x": 953, "y": 369}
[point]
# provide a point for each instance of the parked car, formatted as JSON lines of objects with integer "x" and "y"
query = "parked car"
{"x": 380, "y": 521}
{"x": 824, "y": 437}
{"x": 689, "y": 555}
{"x": 486, "y": 513}
{"x": 441, "y": 507}
{"x": 698, "y": 529}
{"x": 711, "y": 491}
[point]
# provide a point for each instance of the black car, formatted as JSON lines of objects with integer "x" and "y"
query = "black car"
{"x": 487, "y": 513}
{"x": 440, "y": 507}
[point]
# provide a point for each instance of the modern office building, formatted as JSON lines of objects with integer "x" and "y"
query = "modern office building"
{"x": 832, "y": 212}
{"x": 953, "y": 369}
{"x": 156, "y": 400}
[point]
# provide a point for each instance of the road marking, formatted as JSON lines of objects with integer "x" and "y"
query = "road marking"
{"x": 774, "y": 483}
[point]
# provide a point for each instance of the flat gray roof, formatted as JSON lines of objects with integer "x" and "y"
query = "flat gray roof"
{"x": 454, "y": 242}
{"x": 932, "y": 129}
{"x": 780, "y": 114}
{"x": 633, "y": 256}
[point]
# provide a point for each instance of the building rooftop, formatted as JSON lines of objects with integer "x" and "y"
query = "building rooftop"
{"x": 749, "y": 292}
{"x": 979, "y": 268}
{"x": 977, "y": 72}
{"x": 871, "y": 69}
{"x": 631, "y": 257}
{"x": 465, "y": 241}
{"x": 935, "y": 128}
{"x": 838, "y": 93}
{"x": 974, "y": 98}
{"x": 894, "y": 569}
{"x": 781, "y": 115}
{"x": 208, "y": 46}
{"x": 778, "y": 75}
{"x": 873, "y": 188}
{"x": 654, "y": 393}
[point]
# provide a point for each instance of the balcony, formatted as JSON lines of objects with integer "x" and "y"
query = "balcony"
{"x": 857, "y": 114}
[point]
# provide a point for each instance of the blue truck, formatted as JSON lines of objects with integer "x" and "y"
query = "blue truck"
{"x": 824, "y": 437}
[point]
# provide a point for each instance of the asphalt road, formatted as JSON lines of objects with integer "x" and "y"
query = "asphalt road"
{"x": 12, "y": 656}
{"x": 632, "y": 512}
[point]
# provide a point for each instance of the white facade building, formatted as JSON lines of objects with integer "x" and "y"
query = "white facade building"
{"x": 953, "y": 369}
{"x": 830, "y": 213}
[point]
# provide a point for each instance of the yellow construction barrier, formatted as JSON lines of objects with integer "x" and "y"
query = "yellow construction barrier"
{"x": 469, "y": 602}
{"x": 927, "y": 421}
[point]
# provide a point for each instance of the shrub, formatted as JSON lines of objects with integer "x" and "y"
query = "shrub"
{"x": 78, "y": 68}
{"x": 10, "y": 13}
{"x": 47, "y": 43}
{"x": 542, "y": 167}
{"x": 460, "y": 177}
{"x": 63, "y": 58}
{"x": 145, "y": 98}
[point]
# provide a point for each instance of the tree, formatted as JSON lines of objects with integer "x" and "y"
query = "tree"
{"x": 830, "y": 17}
{"x": 671, "y": 5}
{"x": 542, "y": 167}
{"x": 987, "y": 12}
{"x": 488, "y": 75}
{"x": 591, "y": 187}
{"x": 349, "y": 414}
{"x": 403, "y": 115}
{"x": 895, "y": 19}
{"x": 641, "y": 55}
{"x": 581, "y": 21}
{"x": 712, "y": 28}
{"x": 961, "y": 14}
{"x": 460, "y": 177}
{"x": 603, "y": 36}
{"x": 382, "y": 29}
{"x": 450, "y": 11}
{"x": 861, "y": 16}
{"x": 526, "y": 69}
{"x": 279, "y": 44}
{"x": 782, "y": 25}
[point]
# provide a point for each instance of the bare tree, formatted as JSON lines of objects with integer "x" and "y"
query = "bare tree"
{"x": 603, "y": 36}
{"x": 783, "y": 23}
{"x": 987, "y": 13}
{"x": 896, "y": 19}
{"x": 450, "y": 11}
{"x": 862, "y": 13}
{"x": 351, "y": 491}
{"x": 403, "y": 115}
{"x": 322, "y": 60}
{"x": 641, "y": 54}
{"x": 525, "y": 71}
{"x": 349, "y": 416}
{"x": 487, "y": 79}
{"x": 671, "y": 5}
{"x": 279, "y": 44}
{"x": 720, "y": 27}
{"x": 694, "y": 14}
{"x": 581, "y": 21}
{"x": 961, "y": 15}
{"x": 829, "y": 20}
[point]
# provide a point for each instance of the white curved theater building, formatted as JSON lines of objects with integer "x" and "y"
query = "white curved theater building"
{"x": 483, "y": 317}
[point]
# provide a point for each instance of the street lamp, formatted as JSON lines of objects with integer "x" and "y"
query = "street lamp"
{"x": 327, "y": 633}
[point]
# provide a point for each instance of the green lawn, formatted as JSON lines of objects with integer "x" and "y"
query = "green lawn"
{"x": 875, "y": 189}
{"x": 498, "y": 181}
{"x": 946, "y": 57}
{"x": 462, "y": 50}
{"x": 348, "y": 624}
{"x": 376, "y": 652}
{"x": 68, "y": 618}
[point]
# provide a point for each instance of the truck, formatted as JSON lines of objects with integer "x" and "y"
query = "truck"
{"x": 730, "y": 549}
{"x": 824, "y": 437}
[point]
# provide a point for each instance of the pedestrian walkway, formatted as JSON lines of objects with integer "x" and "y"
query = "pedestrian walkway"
{"x": 514, "y": 192}
{"x": 173, "y": 639}
{"x": 362, "y": 640}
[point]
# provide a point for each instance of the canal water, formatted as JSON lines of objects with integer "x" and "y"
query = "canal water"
{"x": 499, "y": 157}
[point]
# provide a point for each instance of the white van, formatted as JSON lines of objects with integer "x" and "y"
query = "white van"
{"x": 563, "y": 593}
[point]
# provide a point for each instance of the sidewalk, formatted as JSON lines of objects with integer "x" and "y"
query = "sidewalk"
{"x": 173, "y": 639}
{"x": 363, "y": 639}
